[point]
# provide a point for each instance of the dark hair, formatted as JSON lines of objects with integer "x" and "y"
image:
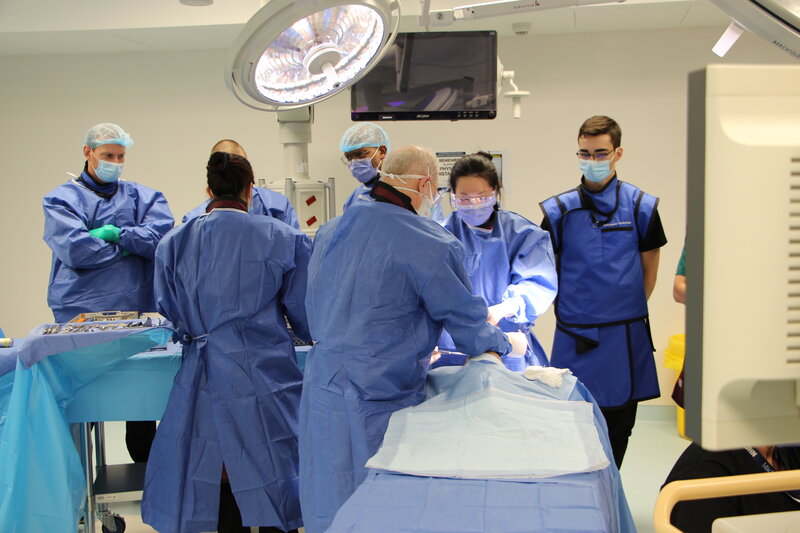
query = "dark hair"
{"x": 228, "y": 174}
{"x": 478, "y": 164}
{"x": 601, "y": 125}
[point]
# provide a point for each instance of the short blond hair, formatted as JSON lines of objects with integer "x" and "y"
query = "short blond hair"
{"x": 412, "y": 160}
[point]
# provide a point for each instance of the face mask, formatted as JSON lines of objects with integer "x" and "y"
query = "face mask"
{"x": 436, "y": 213}
{"x": 362, "y": 169}
{"x": 428, "y": 205}
{"x": 596, "y": 171}
{"x": 475, "y": 216}
{"x": 107, "y": 171}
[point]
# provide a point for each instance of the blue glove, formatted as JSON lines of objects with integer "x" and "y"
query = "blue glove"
{"x": 108, "y": 233}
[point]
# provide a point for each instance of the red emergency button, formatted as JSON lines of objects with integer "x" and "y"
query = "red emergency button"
{"x": 310, "y": 200}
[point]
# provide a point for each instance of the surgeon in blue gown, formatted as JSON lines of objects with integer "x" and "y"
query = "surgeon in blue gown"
{"x": 509, "y": 259}
{"x": 103, "y": 232}
{"x": 383, "y": 281}
{"x": 264, "y": 202}
{"x": 225, "y": 455}
{"x": 364, "y": 147}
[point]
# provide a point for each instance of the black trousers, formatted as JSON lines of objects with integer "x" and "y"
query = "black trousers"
{"x": 620, "y": 421}
{"x": 230, "y": 519}
{"x": 139, "y": 438}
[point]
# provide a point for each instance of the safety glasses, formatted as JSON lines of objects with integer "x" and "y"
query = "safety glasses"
{"x": 472, "y": 201}
{"x": 361, "y": 153}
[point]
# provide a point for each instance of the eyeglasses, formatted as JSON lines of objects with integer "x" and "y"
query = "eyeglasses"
{"x": 469, "y": 200}
{"x": 599, "y": 155}
{"x": 361, "y": 153}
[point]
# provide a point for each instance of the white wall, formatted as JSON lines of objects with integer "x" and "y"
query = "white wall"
{"x": 176, "y": 106}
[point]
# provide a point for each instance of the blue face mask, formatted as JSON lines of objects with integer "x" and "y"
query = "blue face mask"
{"x": 475, "y": 216}
{"x": 596, "y": 171}
{"x": 362, "y": 169}
{"x": 107, "y": 171}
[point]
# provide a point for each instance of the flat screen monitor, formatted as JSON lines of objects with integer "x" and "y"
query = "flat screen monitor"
{"x": 431, "y": 76}
{"x": 742, "y": 366}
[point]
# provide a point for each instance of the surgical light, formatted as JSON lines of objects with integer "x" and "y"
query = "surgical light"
{"x": 293, "y": 54}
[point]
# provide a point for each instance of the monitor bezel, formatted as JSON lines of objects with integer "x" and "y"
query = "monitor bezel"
{"x": 452, "y": 115}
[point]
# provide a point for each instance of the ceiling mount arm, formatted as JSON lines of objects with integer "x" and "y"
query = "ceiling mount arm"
{"x": 447, "y": 17}
{"x": 515, "y": 94}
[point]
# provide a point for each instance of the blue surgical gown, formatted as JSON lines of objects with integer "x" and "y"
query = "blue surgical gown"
{"x": 383, "y": 282}
{"x": 357, "y": 194}
{"x": 265, "y": 202}
{"x": 226, "y": 280}
{"x": 513, "y": 262}
{"x": 89, "y": 274}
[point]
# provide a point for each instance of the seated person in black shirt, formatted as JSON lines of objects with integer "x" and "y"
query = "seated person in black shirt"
{"x": 696, "y": 516}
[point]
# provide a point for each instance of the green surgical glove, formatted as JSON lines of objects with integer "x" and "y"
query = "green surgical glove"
{"x": 108, "y": 233}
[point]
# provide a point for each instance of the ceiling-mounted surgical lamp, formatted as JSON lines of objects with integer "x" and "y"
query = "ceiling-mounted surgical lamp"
{"x": 295, "y": 53}
{"x": 292, "y": 54}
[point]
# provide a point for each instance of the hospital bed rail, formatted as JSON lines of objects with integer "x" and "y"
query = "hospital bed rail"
{"x": 718, "y": 487}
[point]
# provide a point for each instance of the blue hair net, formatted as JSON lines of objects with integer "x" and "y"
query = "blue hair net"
{"x": 107, "y": 133}
{"x": 362, "y": 135}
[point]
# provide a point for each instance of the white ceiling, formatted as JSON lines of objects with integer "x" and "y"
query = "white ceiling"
{"x": 119, "y": 26}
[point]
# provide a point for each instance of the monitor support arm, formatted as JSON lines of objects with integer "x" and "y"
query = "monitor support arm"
{"x": 515, "y": 94}
{"x": 447, "y": 17}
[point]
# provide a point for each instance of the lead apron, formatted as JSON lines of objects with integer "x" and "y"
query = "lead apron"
{"x": 200, "y": 430}
{"x": 602, "y": 330}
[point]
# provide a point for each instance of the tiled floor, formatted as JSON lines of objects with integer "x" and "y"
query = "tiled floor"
{"x": 654, "y": 446}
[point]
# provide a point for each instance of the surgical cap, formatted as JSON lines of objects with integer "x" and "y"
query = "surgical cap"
{"x": 107, "y": 133}
{"x": 362, "y": 135}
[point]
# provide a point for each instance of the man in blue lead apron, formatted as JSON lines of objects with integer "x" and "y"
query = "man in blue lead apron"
{"x": 606, "y": 234}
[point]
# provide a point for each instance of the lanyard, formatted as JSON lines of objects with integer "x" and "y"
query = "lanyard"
{"x": 761, "y": 461}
